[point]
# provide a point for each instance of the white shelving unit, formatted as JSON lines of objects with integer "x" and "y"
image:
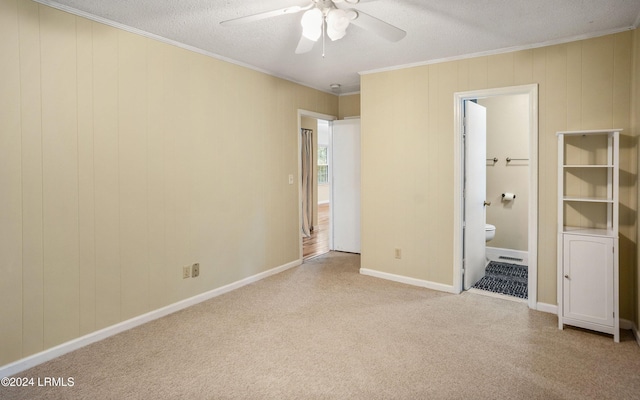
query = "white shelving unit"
{"x": 588, "y": 192}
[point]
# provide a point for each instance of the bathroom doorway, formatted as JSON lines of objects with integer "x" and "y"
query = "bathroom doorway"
{"x": 510, "y": 198}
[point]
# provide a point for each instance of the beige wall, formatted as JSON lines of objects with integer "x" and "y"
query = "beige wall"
{"x": 508, "y": 136}
{"x": 324, "y": 193}
{"x": 123, "y": 159}
{"x": 349, "y": 106}
{"x": 407, "y": 151}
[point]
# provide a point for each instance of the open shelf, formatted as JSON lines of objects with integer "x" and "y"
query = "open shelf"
{"x": 587, "y": 199}
{"x": 588, "y": 166}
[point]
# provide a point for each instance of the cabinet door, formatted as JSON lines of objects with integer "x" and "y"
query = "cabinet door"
{"x": 588, "y": 279}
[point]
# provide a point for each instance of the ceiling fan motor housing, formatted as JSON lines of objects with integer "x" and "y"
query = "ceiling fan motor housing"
{"x": 325, "y": 12}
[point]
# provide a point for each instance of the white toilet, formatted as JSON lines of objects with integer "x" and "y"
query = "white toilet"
{"x": 489, "y": 232}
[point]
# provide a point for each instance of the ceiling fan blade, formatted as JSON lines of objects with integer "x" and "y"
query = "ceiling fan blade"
{"x": 378, "y": 26}
{"x": 304, "y": 45}
{"x": 265, "y": 15}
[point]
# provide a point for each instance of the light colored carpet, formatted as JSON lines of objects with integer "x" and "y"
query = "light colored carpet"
{"x": 322, "y": 331}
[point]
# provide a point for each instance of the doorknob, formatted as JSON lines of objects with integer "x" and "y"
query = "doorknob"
{"x": 487, "y": 203}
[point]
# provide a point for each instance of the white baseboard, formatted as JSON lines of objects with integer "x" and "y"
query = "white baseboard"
{"x": 626, "y": 324}
{"x": 548, "y": 308}
{"x": 494, "y": 253}
{"x": 630, "y": 325}
{"x": 636, "y": 334}
{"x": 409, "y": 281}
{"x": 67, "y": 347}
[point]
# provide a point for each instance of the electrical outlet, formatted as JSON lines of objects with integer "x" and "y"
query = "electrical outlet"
{"x": 398, "y": 253}
{"x": 195, "y": 270}
{"x": 186, "y": 272}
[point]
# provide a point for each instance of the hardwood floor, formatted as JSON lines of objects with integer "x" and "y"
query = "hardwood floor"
{"x": 318, "y": 243}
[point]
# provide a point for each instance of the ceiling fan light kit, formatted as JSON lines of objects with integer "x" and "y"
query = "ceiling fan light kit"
{"x": 338, "y": 21}
{"x": 335, "y": 19}
{"x": 311, "y": 22}
{"x": 324, "y": 16}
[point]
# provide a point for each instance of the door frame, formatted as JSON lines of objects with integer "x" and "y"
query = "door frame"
{"x": 458, "y": 157}
{"x": 316, "y": 115}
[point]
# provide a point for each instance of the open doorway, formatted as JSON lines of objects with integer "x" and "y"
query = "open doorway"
{"x": 343, "y": 169}
{"x": 469, "y": 252}
{"x": 315, "y": 240}
{"x": 314, "y": 138}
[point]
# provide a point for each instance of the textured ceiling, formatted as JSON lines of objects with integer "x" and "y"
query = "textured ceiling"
{"x": 436, "y": 30}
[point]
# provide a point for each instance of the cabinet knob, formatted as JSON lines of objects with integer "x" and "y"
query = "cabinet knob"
{"x": 487, "y": 203}
{"x": 567, "y": 276}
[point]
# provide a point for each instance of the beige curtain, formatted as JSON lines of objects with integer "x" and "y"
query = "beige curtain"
{"x": 307, "y": 181}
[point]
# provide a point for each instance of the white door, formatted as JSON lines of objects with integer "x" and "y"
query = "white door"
{"x": 345, "y": 202}
{"x": 475, "y": 191}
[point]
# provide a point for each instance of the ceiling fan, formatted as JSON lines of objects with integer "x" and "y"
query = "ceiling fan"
{"x": 324, "y": 16}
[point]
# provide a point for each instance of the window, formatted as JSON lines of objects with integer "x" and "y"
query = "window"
{"x": 323, "y": 166}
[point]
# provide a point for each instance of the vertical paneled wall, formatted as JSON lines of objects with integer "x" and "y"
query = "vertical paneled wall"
{"x": 11, "y": 223}
{"x": 123, "y": 159}
{"x": 407, "y": 145}
{"x": 60, "y": 217}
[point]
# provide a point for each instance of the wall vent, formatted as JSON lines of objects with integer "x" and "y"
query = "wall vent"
{"x": 510, "y": 258}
